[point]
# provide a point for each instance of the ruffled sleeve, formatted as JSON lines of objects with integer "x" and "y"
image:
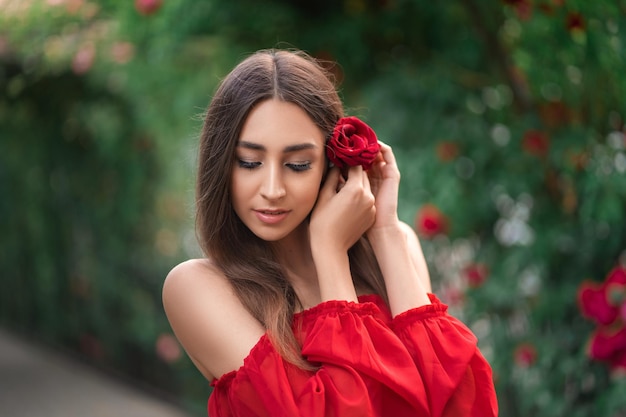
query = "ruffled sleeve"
{"x": 421, "y": 363}
{"x": 457, "y": 378}
{"x": 363, "y": 369}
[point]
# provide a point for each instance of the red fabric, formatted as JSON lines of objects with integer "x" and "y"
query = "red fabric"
{"x": 421, "y": 363}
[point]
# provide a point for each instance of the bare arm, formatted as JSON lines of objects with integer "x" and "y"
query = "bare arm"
{"x": 417, "y": 256}
{"x": 395, "y": 244}
{"x": 216, "y": 331}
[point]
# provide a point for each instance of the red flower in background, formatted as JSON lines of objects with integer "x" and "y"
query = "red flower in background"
{"x": 430, "y": 221}
{"x": 148, "y": 7}
{"x": 609, "y": 346}
{"x": 475, "y": 274}
{"x": 602, "y": 302}
{"x": 525, "y": 355}
{"x": 447, "y": 151}
{"x": 605, "y": 304}
{"x": 575, "y": 22}
{"x": 536, "y": 143}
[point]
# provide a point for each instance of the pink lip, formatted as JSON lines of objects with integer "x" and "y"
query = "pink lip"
{"x": 271, "y": 216}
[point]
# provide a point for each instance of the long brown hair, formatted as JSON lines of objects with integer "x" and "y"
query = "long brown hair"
{"x": 246, "y": 260}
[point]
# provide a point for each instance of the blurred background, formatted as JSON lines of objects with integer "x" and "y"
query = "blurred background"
{"x": 507, "y": 120}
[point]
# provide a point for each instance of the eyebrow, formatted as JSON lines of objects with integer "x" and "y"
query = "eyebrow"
{"x": 287, "y": 149}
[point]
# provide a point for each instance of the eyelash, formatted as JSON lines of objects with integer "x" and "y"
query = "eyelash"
{"x": 247, "y": 164}
{"x": 304, "y": 166}
{"x": 299, "y": 167}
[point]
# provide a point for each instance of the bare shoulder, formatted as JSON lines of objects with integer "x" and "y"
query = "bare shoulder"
{"x": 207, "y": 317}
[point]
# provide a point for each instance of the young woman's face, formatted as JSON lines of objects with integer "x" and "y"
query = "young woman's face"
{"x": 278, "y": 170}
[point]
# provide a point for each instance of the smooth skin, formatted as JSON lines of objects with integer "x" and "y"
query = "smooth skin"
{"x": 279, "y": 169}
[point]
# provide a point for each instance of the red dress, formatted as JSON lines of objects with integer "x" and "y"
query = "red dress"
{"x": 423, "y": 362}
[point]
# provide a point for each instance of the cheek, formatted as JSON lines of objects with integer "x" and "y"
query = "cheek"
{"x": 238, "y": 190}
{"x": 307, "y": 192}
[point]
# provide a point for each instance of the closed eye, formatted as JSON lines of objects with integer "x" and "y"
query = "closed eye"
{"x": 248, "y": 164}
{"x": 299, "y": 166}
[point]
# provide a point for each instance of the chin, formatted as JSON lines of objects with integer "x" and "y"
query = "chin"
{"x": 271, "y": 236}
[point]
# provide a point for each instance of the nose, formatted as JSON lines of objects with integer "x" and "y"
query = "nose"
{"x": 273, "y": 187}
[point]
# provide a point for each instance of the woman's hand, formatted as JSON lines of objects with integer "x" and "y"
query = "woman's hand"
{"x": 344, "y": 211}
{"x": 384, "y": 179}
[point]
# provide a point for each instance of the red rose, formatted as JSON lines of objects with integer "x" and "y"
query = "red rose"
{"x": 475, "y": 274}
{"x": 535, "y": 142}
{"x": 525, "y": 355}
{"x": 352, "y": 143}
{"x": 430, "y": 221}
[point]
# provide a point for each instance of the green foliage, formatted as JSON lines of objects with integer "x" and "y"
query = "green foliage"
{"x": 506, "y": 116}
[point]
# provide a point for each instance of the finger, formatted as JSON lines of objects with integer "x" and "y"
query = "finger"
{"x": 366, "y": 183}
{"x": 387, "y": 153}
{"x": 355, "y": 175}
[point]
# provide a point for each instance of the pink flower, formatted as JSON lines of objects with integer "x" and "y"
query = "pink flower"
{"x": 167, "y": 348}
{"x": 525, "y": 355}
{"x": 430, "y": 221}
{"x": 84, "y": 59}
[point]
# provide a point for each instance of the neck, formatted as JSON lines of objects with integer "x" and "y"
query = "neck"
{"x": 294, "y": 254}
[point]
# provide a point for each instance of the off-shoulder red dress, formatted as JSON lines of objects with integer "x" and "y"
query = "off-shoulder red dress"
{"x": 423, "y": 362}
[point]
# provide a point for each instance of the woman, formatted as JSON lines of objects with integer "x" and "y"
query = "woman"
{"x": 313, "y": 297}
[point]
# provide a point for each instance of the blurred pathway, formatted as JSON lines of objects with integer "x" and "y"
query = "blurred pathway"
{"x": 38, "y": 382}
